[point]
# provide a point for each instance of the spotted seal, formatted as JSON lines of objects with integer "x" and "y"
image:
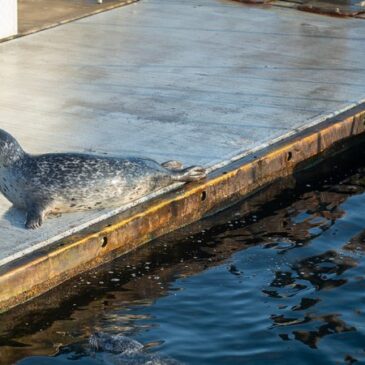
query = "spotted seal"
{"x": 124, "y": 350}
{"x": 115, "y": 344}
{"x": 66, "y": 182}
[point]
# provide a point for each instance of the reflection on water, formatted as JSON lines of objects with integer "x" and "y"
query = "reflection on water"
{"x": 284, "y": 284}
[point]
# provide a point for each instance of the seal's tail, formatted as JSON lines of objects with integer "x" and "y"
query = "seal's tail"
{"x": 192, "y": 173}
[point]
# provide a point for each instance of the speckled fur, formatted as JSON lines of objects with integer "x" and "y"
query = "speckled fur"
{"x": 66, "y": 182}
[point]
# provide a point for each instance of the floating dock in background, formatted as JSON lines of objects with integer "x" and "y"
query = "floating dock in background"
{"x": 247, "y": 92}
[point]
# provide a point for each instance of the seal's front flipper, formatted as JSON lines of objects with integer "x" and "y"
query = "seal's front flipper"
{"x": 192, "y": 173}
{"x": 172, "y": 165}
{"x": 35, "y": 215}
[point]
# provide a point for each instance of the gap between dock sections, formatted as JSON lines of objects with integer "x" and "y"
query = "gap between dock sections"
{"x": 227, "y": 182}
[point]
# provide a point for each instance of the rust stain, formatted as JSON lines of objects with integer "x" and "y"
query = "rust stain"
{"x": 331, "y": 11}
{"x": 339, "y": 8}
{"x": 34, "y": 276}
{"x": 324, "y": 7}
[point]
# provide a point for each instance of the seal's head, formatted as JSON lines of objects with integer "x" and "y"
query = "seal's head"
{"x": 10, "y": 149}
{"x": 116, "y": 344}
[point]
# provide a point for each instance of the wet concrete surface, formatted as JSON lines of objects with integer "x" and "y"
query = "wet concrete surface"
{"x": 197, "y": 81}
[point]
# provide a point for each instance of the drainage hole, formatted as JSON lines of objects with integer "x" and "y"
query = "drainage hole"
{"x": 104, "y": 241}
{"x": 203, "y": 195}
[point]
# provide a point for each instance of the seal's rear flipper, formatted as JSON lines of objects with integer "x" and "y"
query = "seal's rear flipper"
{"x": 192, "y": 173}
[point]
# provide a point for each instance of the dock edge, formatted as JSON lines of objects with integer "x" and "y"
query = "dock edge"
{"x": 41, "y": 271}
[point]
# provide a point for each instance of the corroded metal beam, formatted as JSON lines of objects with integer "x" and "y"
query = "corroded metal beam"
{"x": 34, "y": 275}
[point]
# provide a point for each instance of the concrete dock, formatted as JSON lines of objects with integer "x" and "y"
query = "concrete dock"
{"x": 205, "y": 82}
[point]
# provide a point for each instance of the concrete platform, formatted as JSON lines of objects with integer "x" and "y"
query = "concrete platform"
{"x": 205, "y": 82}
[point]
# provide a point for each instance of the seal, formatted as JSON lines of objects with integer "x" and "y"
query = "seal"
{"x": 124, "y": 350}
{"x": 67, "y": 182}
{"x": 115, "y": 344}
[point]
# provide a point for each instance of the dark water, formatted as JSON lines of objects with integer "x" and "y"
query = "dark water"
{"x": 282, "y": 285}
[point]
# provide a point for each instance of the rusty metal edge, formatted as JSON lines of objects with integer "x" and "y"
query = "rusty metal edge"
{"x": 298, "y": 5}
{"x": 68, "y": 20}
{"x": 336, "y": 12}
{"x": 34, "y": 275}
